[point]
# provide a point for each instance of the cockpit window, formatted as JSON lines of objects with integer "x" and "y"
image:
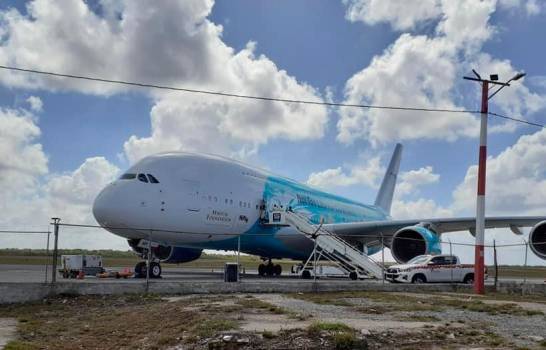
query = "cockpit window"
{"x": 127, "y": 176}
{"x": 142, "y": 177}
{"x": 152, "y": 179}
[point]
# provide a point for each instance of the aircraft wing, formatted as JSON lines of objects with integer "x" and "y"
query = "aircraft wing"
{"x": 440, "y": 225}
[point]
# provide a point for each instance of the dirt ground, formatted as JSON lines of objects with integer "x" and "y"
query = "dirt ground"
{"x": 350, "y": 320}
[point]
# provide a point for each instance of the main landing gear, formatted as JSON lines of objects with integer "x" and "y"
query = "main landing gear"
{"x": 155, "y": 270}
{"x": 269, "y": 269}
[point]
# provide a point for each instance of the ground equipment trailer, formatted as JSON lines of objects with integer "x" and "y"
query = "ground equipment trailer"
{"x": 74, "y": 265}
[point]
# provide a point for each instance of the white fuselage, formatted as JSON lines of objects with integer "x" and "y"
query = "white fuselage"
{"x": 203, "y": 201}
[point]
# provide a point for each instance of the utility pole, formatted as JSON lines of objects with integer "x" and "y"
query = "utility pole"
{"x": 479, "y": 285}
{"x": 55, "y": 249}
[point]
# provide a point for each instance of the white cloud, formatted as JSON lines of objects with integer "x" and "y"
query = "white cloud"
{"x": 31, "y": 195}
{"x": 516, "y": 100}
{"x": 172, "y": 43}
{"x": 21, "y": 159}
{"x": 401, "y": 14}
{"x": 516, "y": 180}
{"x": 421, "y": 208}
{"x": 424, "y": 71}
{"x": 368, "y": 175}
{"x": 36, "y": 104}
{"x": 413, "y": 179}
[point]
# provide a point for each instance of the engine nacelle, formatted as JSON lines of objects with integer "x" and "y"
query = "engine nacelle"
{"x": 412, "y": 241}
{"x": 167, "y": 254}
{"x": 537, "y": 239}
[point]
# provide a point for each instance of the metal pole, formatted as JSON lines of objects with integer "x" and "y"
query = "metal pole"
{"x": 238, "y": 255}
{"x": 496, "y": 264}
{"x": 55, "y": 250}
{"x": 451, "y": 254}
{"x": 525, "y": 264}
{"x": 479, "y": 285}
{"x": 148, "y": 258}
{"x": 47, "y": 254}
{"x": 382, "y": 258}
{"x": 315, "y": 260}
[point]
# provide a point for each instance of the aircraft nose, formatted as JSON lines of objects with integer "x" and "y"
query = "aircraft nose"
{"x": 104, "y": 207}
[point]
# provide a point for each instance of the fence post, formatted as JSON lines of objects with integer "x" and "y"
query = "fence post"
{"x": 382, "y": 258}
{"x": 495, "y": 264}
{"x": 451, "y": 254}
{"x": 525, "y": 264}
{"x": 315, "y": 260}
{"x": 55, "y": 250}
{"x": 238, "y": 256}
{"x": 148, "y": 258}
{"x": 47, "y": 254}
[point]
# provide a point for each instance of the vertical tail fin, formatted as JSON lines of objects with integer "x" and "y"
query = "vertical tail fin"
{"x": 386, "y": 191}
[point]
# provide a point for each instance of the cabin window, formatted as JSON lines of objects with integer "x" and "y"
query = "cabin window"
{"x": 142, "y": 177}
{"x": 152, "y": 179}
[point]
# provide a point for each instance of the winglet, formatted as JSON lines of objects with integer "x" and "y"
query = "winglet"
{"x": 386, "y": 191}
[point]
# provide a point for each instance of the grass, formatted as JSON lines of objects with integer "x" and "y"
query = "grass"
{"x": 420, "y": 318}
{"x": 83, "y": 322}
{"x": 342, "y": 336}
{"x": 19, "y": 345}
{"x": 112, "y": 258}
{"x": 317, "y": 327}
{"x": 253, "y": 303}
{"x": 387, "y": 302}
{"x": 207, "y": 328}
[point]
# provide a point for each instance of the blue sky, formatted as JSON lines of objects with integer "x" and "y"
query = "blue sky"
{"x": 327, "y": 50}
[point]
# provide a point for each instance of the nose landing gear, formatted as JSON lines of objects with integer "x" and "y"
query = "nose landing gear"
{"x": 155, "y": 270}
{"x": 269, "y": 269}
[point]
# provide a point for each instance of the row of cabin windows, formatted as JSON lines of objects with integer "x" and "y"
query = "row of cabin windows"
{"x": 227, "y": 201}
{"x": 141, "y": 177}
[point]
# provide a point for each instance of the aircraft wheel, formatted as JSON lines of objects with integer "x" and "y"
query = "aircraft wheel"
{"x": 155, "y": 270}
{"x": 277, "y": 270}
{"x": 353, "y": 275}
{"x": 270, "y": 269}
{"x": 306, "y": 274}
{"x": 261, "y": 270}
{"x": 140, "y": 270}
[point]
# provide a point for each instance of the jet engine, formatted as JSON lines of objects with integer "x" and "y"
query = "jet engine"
{"x": 412, "y": 241}
{"x": 166, "y": 254}
{"x": 537, "y": 239}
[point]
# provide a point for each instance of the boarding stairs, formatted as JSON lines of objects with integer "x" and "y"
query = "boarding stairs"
{"x": 332, "y": 247}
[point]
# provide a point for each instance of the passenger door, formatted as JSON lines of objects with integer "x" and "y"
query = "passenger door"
{"x": 437, "y": 272}
{"x": 190, "y": 195}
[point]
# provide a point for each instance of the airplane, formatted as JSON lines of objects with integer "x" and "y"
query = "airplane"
{"x": 173, "y": 205}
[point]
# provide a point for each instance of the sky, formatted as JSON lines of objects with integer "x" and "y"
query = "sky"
{"x": 61, "y": 140}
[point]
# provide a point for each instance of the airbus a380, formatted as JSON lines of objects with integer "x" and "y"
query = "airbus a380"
{"x": 190, "y": 202}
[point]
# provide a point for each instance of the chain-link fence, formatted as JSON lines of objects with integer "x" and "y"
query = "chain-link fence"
{"x": 29, "y": 256}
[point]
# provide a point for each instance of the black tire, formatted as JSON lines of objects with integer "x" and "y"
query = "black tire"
{"x": 306, "y": 274}
{"x": 353, "y": 275}
{"x": 469, "y": 278}
{"x": 261, "y": 270}
{"x": 277, "y": 270}
{"x": 419, "y": 278}
{"x": 155, "y": 270}
{"x": 269, "y": 269}
{"x": 140, "y": 270}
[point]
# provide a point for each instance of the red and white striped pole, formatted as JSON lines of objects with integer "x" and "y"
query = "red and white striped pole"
{"x": 479, "y": 287}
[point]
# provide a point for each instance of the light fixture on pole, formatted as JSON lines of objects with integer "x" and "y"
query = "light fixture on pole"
{"x": 479, "y": 268}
